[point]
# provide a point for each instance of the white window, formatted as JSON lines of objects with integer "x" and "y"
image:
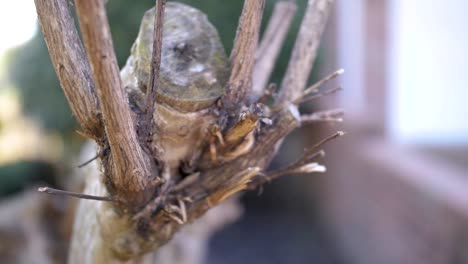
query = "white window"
{"x": 428, "y": 77}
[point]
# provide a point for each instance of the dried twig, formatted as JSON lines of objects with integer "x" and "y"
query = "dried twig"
{"x": 242, "y": 59}
{"x": 305, "y": 158}
{"x": 320, "y": 94}
{"x": 74, "y": 194}
{"x": 302, "y": 165}
{"x": 70, "y": 63}
{"x": 314, "y": 88}
{"x": 270, "y": 46}
{"x": 302, "y": 98}
{"x": 269, "y": 92}
{"x": 304, "y": 169}
{"x": 131, "y": 168}
{"x": 98, "y": 155}
{"x": 155, "y": 60}
{"x": 305, "y": 49}
{"x": 334, "y": 115}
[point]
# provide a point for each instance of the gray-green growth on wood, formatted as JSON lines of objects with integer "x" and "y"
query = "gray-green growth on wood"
{"x": 194, "y": 66}
{"x": 193, "y": 72}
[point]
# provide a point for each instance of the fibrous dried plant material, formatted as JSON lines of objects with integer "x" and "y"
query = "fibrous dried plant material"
{"x": 238, "y": 139}
{"x": 206, "y": 141}
{"x": 304, "y": 164}
{"x": 70, "y": 64}
{"x": 270, "y": 46}
{"x": 305, "y": 49}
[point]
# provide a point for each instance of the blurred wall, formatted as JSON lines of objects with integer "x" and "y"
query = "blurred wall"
{"x": 386, "y": 198}
{"x": 388, "y": 205}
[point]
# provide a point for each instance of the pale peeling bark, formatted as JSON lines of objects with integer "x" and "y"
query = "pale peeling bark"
{"x": 97, "y": 224}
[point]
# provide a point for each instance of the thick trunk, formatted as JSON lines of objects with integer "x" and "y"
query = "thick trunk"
{"x": 97, "y": 222}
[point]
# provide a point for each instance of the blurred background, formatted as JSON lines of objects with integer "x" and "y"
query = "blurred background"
{"x": 396, "y": 186}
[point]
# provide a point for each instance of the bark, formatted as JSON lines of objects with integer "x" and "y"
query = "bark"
{"x": 242, "y": 61}
{"x": 132, "y": 168}
{"x": 179, "y": 134}
{"x": 97, "y": 221}
{"x": 70, "y": 64}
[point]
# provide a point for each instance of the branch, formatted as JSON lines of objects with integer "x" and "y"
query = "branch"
{"x": 70, "y": 63}
{"x": 271, "y": 43}
{"x": 334, "y": 115}
{"x": 243, "y": 55}
{"x": 305, "y": 49}
{"x": 269, "y": 92}
{"x": 214, "y": 184}
{"x": 155, "y": 59}
{"x": 74, "y": 194}
{"x": 100, "y": 154}
{"x": 304, "y": 169}
{"x": 302, "y": 165}
{"x": 320, "y": 94}
{"x": 131, "y": 167}
{"x": 260, "y": 155}
{"x": 312, "y": 89}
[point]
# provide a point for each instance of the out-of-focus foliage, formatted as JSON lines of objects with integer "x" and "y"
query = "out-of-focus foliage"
{"x": 31, "y": 71}
{"x": 16, "y": 176}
